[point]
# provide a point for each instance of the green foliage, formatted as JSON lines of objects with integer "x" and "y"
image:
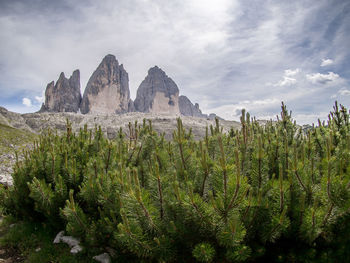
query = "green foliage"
{"x": 267, "y": 192}
{"x": 18, "y": 137}
{"x": 203, "y": 252}
{"x": 238, "y": 254}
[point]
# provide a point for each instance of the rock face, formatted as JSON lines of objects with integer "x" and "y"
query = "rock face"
{"x": 65, "y": 96}
{"x": 107, "y": 90}
{"x": 188, "y": 109}
{"x": 157, "y": 93}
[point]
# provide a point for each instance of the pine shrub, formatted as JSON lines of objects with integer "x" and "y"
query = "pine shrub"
{"x": 265, "y": 192}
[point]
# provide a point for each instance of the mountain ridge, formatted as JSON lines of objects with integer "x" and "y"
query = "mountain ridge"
{"x": 107, "y": 92}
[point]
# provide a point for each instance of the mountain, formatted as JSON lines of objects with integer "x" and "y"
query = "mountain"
{"x": 188, "y": 109}
{"x": 64, "y": 96}
{"x": 157, "y": 93}
{"x": 107, "y": 90}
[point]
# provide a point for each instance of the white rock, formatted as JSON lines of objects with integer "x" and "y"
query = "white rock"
{"x": 70, "y": 241}
{"x": 103, "y": 258}
{"x": 58, "y": 237}
{"x": 76, "y": 249}
{"x": 6, "y": 180}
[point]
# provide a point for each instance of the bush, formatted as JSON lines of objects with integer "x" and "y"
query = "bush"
{"x": 263, "y": 192}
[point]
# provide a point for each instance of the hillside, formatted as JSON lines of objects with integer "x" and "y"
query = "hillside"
{"x": 11, "y": 140}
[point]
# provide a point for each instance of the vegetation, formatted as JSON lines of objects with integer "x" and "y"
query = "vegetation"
{"x": 258, "y": 194}
{"x": 11, "y": 140}
{"x": 32, "y": 242}
{"x": 15, "y": 137}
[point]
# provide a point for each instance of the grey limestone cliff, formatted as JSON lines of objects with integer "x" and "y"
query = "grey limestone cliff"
{"x": 188, "y": 109}
{"x": 157, "y": 94}
{"x": 64, "y": 96}
{"x": 107, "y": 90}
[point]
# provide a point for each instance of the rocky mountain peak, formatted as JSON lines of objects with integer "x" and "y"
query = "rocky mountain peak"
{"x": 75, "y": 76}
{"x": 61, "y": 77}
{"x": 109, "y": 59}
{"x": 107, "y": 90}
{"x": 65, "y": 96}
{"x": 157, "y": 93}
{"x": 156, "y": 70}
{"x": 188, "y": 109}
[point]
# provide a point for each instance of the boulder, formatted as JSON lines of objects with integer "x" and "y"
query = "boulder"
{"x": 103, "y": 258}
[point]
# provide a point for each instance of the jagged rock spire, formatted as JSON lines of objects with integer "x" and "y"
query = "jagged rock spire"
{"x": 107, "y": 90}
{"x": 65, "y": 96}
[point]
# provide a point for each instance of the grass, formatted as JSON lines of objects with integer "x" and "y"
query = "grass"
{"x": 31, "y": 242}
{"x": 11, "y": 140}
{"x": 12, "y": 136}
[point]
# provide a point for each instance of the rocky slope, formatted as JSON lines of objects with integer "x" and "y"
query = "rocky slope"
{"x": 27, "y": 126}
{"x": 110, "y": 123}
{"x": 11, "y": 140}
{"x": 64, "y": 96}
{"x": 107, "y": 90}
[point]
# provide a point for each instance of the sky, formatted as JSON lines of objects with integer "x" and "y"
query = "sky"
{"x": 224, "y": 54}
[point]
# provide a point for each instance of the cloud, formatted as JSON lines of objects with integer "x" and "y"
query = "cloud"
{"x": 326, "y": 62}
{"x": 287, "y": 78}
{"x": 287, "y": 81}
{"x": 27, "y": 102}
{"x": 344, "y": 92}
{"x": 291, "y": 72}
{"x": 40, "y": 99}
{"x": 218, "y": 52}
{"x": 319, "y": 78}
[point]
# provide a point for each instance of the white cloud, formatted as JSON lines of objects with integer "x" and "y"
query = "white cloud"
{"x": 27, "y": 102}
{"x": 287, "y": 78}
{"x": 287, "y": 81}
{"x": 327, "y": 62}
{"x": 40, "y": 99}
{"x": 319, "y": 78}
{"x": 218, "y": 52}
{"x": 291, "y": 72}
{"x": 344, "y": 92}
